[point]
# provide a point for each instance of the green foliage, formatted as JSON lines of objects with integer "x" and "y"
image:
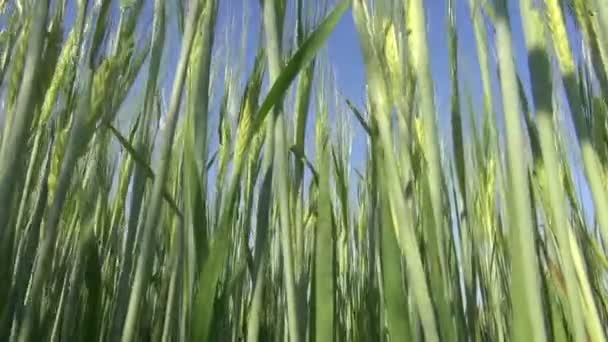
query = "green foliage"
{"x": 223, "y": 217}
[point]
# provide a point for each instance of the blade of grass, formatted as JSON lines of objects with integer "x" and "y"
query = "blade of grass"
{"x": 153, "y": 210}
{"x": 525, "y": 283}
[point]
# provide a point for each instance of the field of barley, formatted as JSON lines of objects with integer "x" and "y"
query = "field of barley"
{"x": 168, "y": 175}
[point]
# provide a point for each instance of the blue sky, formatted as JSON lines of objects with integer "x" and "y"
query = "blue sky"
{"x": 344, "y": 51}
{"x": 345, "y": 57}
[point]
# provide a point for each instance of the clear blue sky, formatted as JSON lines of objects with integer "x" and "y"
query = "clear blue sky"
{"x": 344, "y": 52}
{"x": 345, "y": 56}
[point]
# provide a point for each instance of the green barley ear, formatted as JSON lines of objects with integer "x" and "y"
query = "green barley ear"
{"x": 56, "y": 158}
{"x": 18, "y": 65}
{"x": 559, "y": 35}
{"x": 249, "y": 106}
{"x": 65, "y": 66}
{"x": 394, "y": 60}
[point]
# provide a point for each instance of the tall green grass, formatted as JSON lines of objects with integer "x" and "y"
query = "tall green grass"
{"x": 230, "y": 204}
